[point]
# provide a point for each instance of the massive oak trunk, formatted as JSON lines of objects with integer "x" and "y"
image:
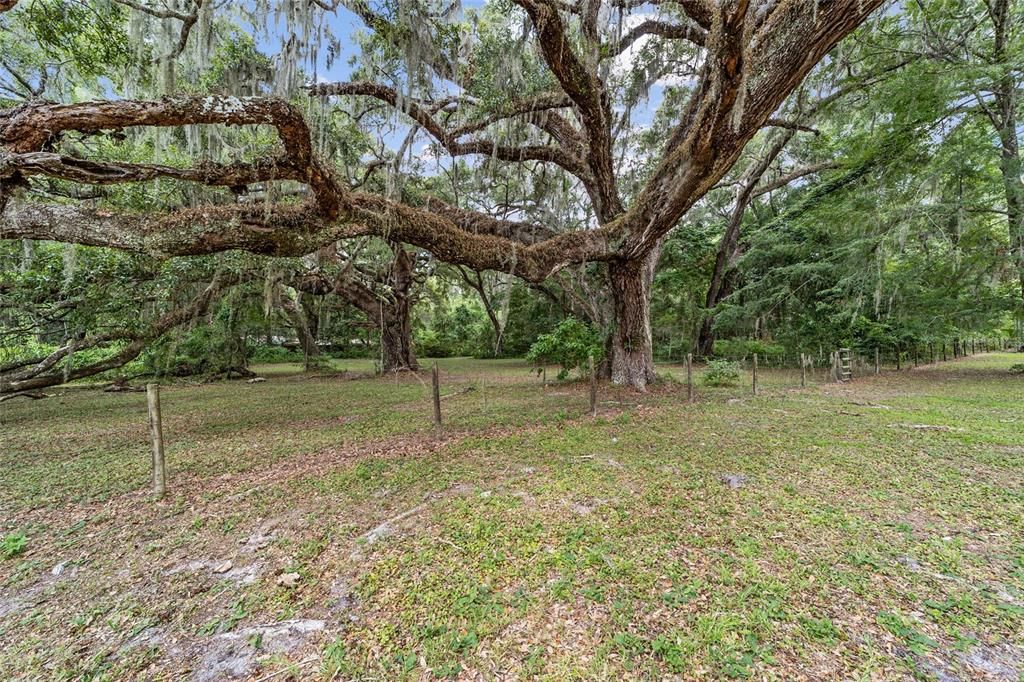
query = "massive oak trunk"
{"x": 632, "y": 361}
{"x": 384, "y": 297}
{"x": 304, "y": 326}
{"x": 396, "y": 337}
{"x": 395, "y": 321}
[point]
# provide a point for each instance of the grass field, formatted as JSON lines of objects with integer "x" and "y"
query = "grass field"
{"x": 318, "y": 528}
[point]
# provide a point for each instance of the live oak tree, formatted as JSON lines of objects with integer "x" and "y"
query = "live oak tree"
{"x": 733, "y": 64}
{"x": 68, "y": 313}
{"x": 381, "y": 286}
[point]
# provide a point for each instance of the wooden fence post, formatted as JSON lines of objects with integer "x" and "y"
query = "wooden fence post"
{"x": 156, "y": 434}
{"x": 878, "y": 361}
{"x": 593, "y": 387}
{"x": 545, "y": 373}
{"x": 755, "y": 374}
{"x": 803, "y": 370}
{"x": 689, "y": 377}
{"x": 436, "y": 390}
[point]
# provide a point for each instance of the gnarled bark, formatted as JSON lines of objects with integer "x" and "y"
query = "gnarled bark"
{"x": 632, "y": 361}
{"x": 397, "y": 354}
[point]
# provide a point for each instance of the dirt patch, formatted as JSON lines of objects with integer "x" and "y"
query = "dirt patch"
{"x": 1003, "y": 662}
{"x": 236, "y": 655}
{"x": 734, "y": 481}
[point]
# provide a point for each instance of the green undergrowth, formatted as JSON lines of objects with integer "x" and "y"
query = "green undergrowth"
{"x": 861, "y": 531}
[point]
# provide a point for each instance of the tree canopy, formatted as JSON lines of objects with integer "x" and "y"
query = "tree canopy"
{"x": 667, "y": 172}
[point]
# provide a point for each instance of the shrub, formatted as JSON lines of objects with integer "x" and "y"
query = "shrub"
{"x": 1017, "y": 368}
{"x": 569, "y": 346}
{"x": 741, "y": 348}
{"x": 272, "y": 354}
{"x": 430, "y": 344}
{"x": 12, "y": 545}
{"x": 207, "y": 349}
{"x": 721, "y": 373}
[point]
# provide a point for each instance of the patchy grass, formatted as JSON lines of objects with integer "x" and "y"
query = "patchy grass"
{"x": 863, "y": 531}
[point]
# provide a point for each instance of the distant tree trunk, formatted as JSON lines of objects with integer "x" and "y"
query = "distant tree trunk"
{"x": 1010, "y": 167}
{"x": 722, "y": 283}
{"x": 386, "y": 301}
{"x": 394, "y": 316}
{"x": 1004, "y": 119}
{"x": 632, "y": 361}
{"x": 311, "y": 312}
{"x": 396, "y": 339}
{"x": 718, "y": 287}
{"x": 476, "y": 282}
{"x": 729, "y": 246}
{"x": 300, "y": 321}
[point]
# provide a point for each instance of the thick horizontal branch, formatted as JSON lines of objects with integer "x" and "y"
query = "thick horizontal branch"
{"x": 279, "y": 230}
{"x": 653, "y": 27}
{"x": 36, "y": 125}
{"x": 296, "y": 230}
{"x": 480, "y": 223}
{"x": 272, "y": 229}
{"x": 451, "y": 244}
{"x": 107, "y": 172}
